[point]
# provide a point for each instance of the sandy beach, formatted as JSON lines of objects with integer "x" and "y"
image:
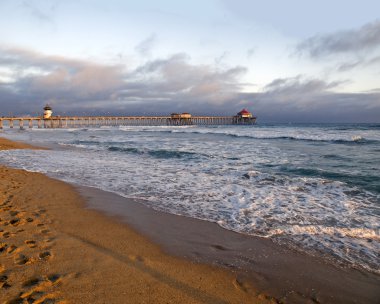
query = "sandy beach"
{"x": 58, "y": 245}
{"x": 55, "y": 251}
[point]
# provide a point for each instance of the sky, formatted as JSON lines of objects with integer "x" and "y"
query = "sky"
{"x": 285, "y": 61}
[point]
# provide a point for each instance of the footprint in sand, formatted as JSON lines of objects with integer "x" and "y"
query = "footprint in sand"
{"x": 54, "y": 278}
{"x": 45, "y": 231}
{"x": 14, "y": 222}
{"x": 21, "y": 259}
{"x": 8, "y": 200}
{"x": 3, "y": 246}
{"x": 3, "y": 282}
{"x": 11, "y": 249}
{"x": 13, "y": 212}
{"x": 39, "y": 213}
{"x": 37, "y": 287}
{"x": 44, "y": 255}
{"x": 32, "y": 296}
{"x": 31, "y": 244}
{"x": 30, "y": 282}
{"x": 47, "y": 299}
{"x": 49, "y": 240}
{"x": 6, "y": 235}
{"x": 50, "y": 280}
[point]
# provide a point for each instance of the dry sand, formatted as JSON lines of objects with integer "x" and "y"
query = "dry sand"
{"x": 54, "y": 250}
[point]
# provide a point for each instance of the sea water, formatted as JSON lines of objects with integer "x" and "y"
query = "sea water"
{"x": 315, "y": 188}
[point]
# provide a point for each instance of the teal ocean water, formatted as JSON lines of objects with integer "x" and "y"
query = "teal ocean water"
{"x": 315, "y": 188}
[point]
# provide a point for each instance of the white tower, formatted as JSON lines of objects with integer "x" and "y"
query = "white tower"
{"x": 47, "y": 112}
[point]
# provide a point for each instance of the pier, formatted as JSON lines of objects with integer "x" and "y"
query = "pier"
{"x": 47, "y": 120}
{"x": 99, "y": 121}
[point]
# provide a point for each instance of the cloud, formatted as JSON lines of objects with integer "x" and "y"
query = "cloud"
{"x": 79, "y": 84}
{"x": 220, "y": 59}
{"x": 38, "y": 13}
{"x": 326, "y": 107}
{"x": 298, "y": 99}
{"x": 60, "y": 77}
{"x": 145, "y": 47}
{"x": 366, "y": 38}
{"x": 298, "y": 88}
{"x": 251, "y": 52}
{"x": 347, "y": 66}
{"x": 165, "y": 85}
{"x": 176, "y": 76}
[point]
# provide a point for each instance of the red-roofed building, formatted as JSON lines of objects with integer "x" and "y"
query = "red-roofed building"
{"x": 245, "y": 114}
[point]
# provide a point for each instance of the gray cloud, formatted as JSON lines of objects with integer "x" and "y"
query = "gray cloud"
{"x": 79, "y": 84}
{"x": 251, "y": 52}
{"x": 40, "y": 14}
{"x": 298, "y": 89}
{"x": 326, "y": 107}
{"x": 366, "y": 38}
{"x": 347, "y": 66}
{"x": 162, "y": 86}
{"x": 59, "y": 77}
{"x": 311, "y": 100}
{"x": 176, "y": 75}
{"x": 219, "y": 60}
{"x": 145, "y": 47}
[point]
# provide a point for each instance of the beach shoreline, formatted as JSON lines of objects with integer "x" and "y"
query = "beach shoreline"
{"x": 70, "y": 250}
{"x": 283, "y": 273}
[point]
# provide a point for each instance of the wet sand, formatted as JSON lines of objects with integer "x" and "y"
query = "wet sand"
{"x": 57, "y": 246}
{"x": 282, "y": 273}
{"x": 6, "y": 144}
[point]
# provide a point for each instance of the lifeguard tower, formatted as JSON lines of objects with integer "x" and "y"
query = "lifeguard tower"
{"x": 47, "y": 112}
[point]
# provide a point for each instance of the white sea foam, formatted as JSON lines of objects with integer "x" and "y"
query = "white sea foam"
{"x": 313, "y": 134}
{"x": 360, "y": 233}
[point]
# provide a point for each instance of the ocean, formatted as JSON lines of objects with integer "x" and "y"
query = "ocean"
{"x": 315, "y": 188}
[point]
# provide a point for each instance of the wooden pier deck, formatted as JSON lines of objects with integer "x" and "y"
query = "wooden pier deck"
{"x": 98, "y": 121}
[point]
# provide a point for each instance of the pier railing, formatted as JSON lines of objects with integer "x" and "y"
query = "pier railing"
{"x": 98, "y": 121}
